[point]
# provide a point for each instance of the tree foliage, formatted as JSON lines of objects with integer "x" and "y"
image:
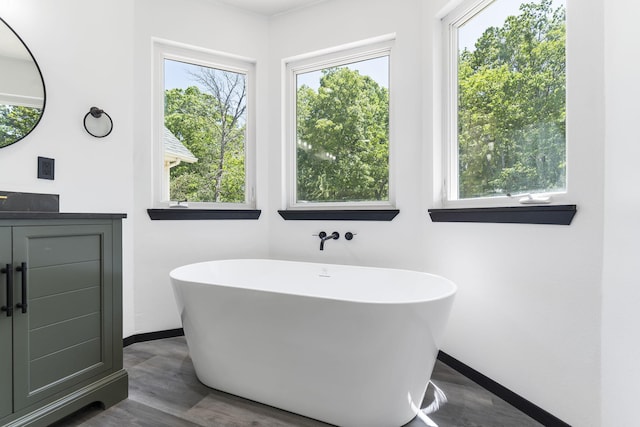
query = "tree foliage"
{"x": 16, "y": 122}
{"x": 343, "y": 139}
{"x": 511, "y": 105}
{"x": 211, "y": 124}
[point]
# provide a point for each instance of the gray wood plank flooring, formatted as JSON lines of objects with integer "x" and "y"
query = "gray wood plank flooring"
{"x": 164, "y": 391}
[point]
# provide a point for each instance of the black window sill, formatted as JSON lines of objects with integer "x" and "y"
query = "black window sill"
{"x": 181, "y": 214}
{"x": 339, "y": 214}
{"x": 547, "y": 214}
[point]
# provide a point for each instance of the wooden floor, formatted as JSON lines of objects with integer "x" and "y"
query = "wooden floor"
{"x": 164, "y": 391}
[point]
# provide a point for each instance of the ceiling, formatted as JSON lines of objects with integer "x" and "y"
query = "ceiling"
{"x": 270, "y": 7}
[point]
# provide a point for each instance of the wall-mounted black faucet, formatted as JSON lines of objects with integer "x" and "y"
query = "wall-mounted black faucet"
{"x": 324, "y": 237}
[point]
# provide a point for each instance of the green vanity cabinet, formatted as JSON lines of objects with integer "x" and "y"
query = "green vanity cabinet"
{"x": 6, "y": 330}
{"x": 61, "y": 335}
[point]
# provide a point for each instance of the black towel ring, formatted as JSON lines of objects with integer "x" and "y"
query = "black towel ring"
{"x": 97, "y": 113}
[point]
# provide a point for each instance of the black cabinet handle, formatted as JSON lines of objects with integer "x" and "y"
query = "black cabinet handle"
{"x": 9, "y": 307}
{"x": 23, "y": 305}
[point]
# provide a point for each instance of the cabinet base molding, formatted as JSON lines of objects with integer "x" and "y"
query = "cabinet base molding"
{"x": 108, "y": 391}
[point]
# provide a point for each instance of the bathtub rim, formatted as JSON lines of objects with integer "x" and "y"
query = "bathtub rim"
{"x": 450, "y": 293}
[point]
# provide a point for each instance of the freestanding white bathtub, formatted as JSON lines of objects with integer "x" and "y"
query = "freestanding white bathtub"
{"x": 351, "y": 346}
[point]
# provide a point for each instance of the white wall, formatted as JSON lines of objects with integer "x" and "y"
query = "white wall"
{"x": 21, "y": 79}
{"x": 620, "y": 287}
{"x": 84, "y": 51}
{"x": 164, "y": 245}
{"x": 529, "y": 298}
{"x": 398, "y": 243}
{"x": 527, "y": 313}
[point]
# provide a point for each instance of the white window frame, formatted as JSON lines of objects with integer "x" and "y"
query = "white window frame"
{"x": 332, "y": 57}
{"x": 164, "y": 49}
{"x": 449, "y": 180}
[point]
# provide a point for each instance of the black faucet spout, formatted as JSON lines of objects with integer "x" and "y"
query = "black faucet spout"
{"x": 324, "y": 237}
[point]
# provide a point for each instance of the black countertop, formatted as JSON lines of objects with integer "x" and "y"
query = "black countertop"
{"x": 58, "y": 215}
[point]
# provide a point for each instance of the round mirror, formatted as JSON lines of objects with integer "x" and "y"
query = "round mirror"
{"x": 22, "y": 95}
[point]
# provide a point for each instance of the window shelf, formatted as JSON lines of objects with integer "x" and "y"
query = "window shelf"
{"x": 340, "y": 215}
{"x": 198, "y": 214}
{"x": 548, "y": 214}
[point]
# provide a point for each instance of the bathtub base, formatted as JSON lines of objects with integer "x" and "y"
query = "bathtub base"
{"x": 318, "y": 363}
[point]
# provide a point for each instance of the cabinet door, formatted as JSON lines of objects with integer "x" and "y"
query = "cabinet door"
{"x": 6, "y": 348}
{"x": 64, "y": 337}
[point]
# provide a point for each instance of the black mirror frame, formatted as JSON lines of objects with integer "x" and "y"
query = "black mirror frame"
{"x": 44, "y": 89}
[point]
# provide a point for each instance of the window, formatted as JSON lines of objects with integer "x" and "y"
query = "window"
{"x": 339, "y": 139}
{"x": 505, "y": 104}
{"x": 204, "y": 129}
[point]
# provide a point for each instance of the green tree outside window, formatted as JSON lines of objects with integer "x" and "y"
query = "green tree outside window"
{"x": 342, "y": 150}
{"x": 209, "y": 118}
{"x": 512, "y": 106}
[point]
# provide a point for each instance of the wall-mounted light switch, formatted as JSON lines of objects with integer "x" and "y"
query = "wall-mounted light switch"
{"x": 46, "y": 168}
